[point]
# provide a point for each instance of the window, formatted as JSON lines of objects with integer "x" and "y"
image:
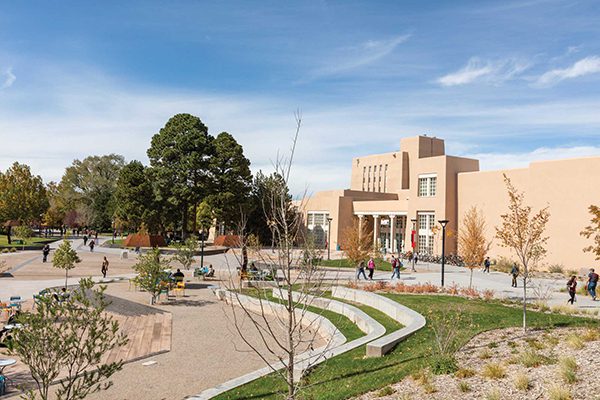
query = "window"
{"x": 385, "y": 179}
{"x": 427, "y": 185}
{"x": 432, "y": 185}
{"x": 369, "y": 182}
{"x": 318, "y": 226}
{"x": 426, "y": 222}
{"x": 364, "y": 178}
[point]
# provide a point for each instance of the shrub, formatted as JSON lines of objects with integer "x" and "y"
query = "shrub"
{"x": 386, "y": 391}
{"x": 452, "y": 289}
{"x": 422, "y": 377}
{"x": 535, "y": 344}
{"x": 522, "y": 382}
{"x": 542, "y": 306}
{"x": 487, "y": 294}
{"x": 533, "y": 359}
{"x": 551, "y": 340}
{"x": 485, "y": 354}
{"x": 470, "y": 292}
{"x": 429, "y": 388}
{"x": 574, "y": 342}
{"x": 443, "y": 364}
{"x": 493, "y": 394}
{"x": 590, "y": 335}
{"x": 464, "y": 387}
{"x": 492, "y": 345}
{"x": 464, "y": 373}
{"x": 562, "y": 309}
{"x": 559, "y": 393}
{"x": 13, "y": 250}
{"x": 569, "y": 273}
{"x": 556, "y": 269}
{"x": 503, "y": 264}
{"x": 568, "y": 369}
{"x": 511, "y": 344}
{"x": 5, "y": 250}
{"x": 493, "y": 370}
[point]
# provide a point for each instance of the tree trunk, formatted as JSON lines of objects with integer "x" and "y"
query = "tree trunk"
{"x": 471, "y": 279}
{"x": 66, "y": 277}
{"x": 195, "y": 223}
{"x": 290, "y": 377}
{"x": 525, "y": 303}
{"x": 8, "y": 232}
{"x": 184, "y": 220}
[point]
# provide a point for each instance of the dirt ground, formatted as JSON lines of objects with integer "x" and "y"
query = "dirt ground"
{"x": 508, "y": 348}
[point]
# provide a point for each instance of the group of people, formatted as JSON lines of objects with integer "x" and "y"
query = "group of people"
{"x": 590, "y": 286}
{"x": 370, "y": 265}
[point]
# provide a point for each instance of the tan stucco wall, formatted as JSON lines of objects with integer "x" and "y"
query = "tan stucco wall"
{"x": 567, "y": 187}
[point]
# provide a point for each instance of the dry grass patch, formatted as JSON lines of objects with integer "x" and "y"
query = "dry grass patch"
{"x": 386, "y": 391}
{"x": 464, "y": 373}
{"x": 522, "y": 382}
{"x": 590, "y": 335}
{"x": 567, "y": 369}
{"x": 464, "y": 387}
{"x": 485, "y": 354}
{"x": 559, "y": 393}
{"x": 493, "y": 394}
{"x": 532, "y": 359}
{"x": 493, "y": 370}
{"x": 575, "y": 342}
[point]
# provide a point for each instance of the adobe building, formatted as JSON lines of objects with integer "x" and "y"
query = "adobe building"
{"x": 402, "y": 195}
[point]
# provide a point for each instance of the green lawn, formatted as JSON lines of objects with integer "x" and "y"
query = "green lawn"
{"x": 350, "y": 374}
{"x": 34, "y": 241}
{"x": 380, "y": 265}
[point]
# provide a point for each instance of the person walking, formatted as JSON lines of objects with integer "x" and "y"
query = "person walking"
{"x": 486, "y": 265}
{"x": 361, "y": 270}
{"x": 371, "y": 267}
{"x": 515, "y": 273}
{"x": 592, "y": 283}
{"x": 85, "y": 239}
{"x": 45, "y": 252}
{"x": 92, "y": 244}
{"x": 104, "y": 267}
{"x": 395, "y": 267}
{"x": 572, "y": 287}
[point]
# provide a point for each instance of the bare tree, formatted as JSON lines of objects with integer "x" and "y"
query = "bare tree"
{"x": 472, "y": 243}
{"x": 523, "y": 232}
{"x": 356, "y": 242}
{"x": 286, "y": 334}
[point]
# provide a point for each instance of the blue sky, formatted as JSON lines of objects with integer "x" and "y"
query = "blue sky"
{"x": 506, "y": 82}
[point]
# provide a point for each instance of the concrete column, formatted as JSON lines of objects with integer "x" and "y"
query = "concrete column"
{"x": 376, "y": 223}
{"x": 393, "y": 233}
{"x": 360, "y": 226}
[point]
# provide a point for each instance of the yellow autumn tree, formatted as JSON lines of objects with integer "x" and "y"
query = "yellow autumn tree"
{"x": 356, "y": 242}
{"x": 472, "y": 243}
{"x": 593, "y": 231}
{"x": 523, "y": 233}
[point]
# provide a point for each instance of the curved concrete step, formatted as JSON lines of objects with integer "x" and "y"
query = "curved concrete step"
{"x": 412, "y": 320}
{"x": 365, "y": 323}
{"x": 322, "y": 324}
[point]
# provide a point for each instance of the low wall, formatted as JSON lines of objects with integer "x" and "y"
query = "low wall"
{"x": 325, "y": 328}
{"x": 412, "y": 320}
{"x": 365, "y": 323}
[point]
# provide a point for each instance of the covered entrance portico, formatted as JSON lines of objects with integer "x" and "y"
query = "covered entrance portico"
{"x": 389, "y": 229}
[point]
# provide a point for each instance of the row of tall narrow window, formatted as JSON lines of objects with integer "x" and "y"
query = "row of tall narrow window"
{"x": 374, "y": 179}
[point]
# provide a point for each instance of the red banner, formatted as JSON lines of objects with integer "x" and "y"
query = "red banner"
{"x": 412, "y": 238}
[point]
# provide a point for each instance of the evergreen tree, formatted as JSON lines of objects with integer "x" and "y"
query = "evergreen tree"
{"x": 180, "y": 159}
{"x": 232, "y": 180}
{"x": 134, "y": 197}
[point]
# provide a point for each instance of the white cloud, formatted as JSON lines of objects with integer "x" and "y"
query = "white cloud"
{"x": 354, "y": 57}
{"x": 494, "y": 72}
{"x": 496, "y": 161}
{"x": 585, "y": 66}
{"x": 8, "y": 78}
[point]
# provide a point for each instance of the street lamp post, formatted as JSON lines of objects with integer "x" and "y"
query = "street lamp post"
{"x": 202, "y": 239}
{"x": 443, "y": 222}
{"x": 329, "y": 219}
